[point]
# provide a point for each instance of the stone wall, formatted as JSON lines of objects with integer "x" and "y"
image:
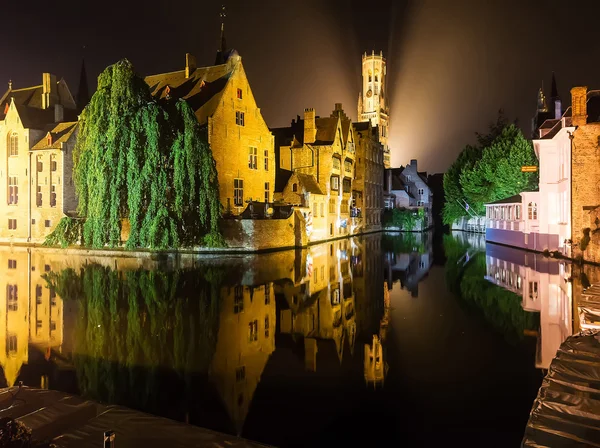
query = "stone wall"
{"x": 586, "y": 191}
{"x": 263, "y": 234}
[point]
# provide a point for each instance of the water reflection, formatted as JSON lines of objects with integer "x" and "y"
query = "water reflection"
{"x": 190, "y": 338}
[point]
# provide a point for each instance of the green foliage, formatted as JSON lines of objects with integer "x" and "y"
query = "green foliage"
{"x": 145, "y": 160}
{"x": 142, "y": 337}
{"x": 404, "y": 219}
{"x": 501, "y": 308}
{"x": 489, "y": 171}
{"x": 404, "y": 243}
{"x": 68, "y": 232}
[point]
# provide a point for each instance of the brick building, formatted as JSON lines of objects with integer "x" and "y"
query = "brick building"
{"x": 368, "y": 178}
{"x": 585, "y": 173}
{"x": 239, "y": 138}
{"x": 323, "y": 149}
{"x": 37, "y": 135}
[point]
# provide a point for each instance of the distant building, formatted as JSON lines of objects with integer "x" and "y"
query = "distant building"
{"x": 38, "y": 131}
{"x": 239, "y": 138}
{"x": 372, "y": 100}
{"x": 406, "y": 187}
{"x": 544, "y": 111}
{"x": 368, "y": 178}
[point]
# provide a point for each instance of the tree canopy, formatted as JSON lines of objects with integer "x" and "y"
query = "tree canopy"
{"x": 144, "y": 160}
{"x": 489, "y": 171}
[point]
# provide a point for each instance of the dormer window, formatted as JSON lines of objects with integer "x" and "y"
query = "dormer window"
{"x": 168, "y": 91}
{"x": 49, "y": 139}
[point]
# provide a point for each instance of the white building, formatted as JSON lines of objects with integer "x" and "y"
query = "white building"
{"x": 540, "y": 220}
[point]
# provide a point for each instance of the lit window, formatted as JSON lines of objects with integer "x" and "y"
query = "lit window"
{"x": 238, "y": 299}
{"x": 12, "y": 298}
{"x": 239, "y": 94}
{"x": 252, "y": 158}
{"x": 53, "y": 196}
{"x": 13, "y": 190}
{"x": 335, "y": 183}
{"x": 532, "y": 211}
{"x": 14, "y": 145}
{"x": 253, "y": 331}
{"x": 238, "y": 192}
{"x": 239, "y": 118}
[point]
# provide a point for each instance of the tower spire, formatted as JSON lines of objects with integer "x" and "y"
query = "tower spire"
{"x": 541, "y": 100}
{"x": 83, "y": 94}
{"x": 223, "y": 43}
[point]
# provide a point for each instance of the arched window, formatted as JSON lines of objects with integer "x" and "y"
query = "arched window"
{"x": 295, "y": 188}
{"x": 13, "y": 144}
{"x": 532, "y": 211}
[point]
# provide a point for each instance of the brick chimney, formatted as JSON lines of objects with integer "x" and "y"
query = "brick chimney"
{"x": 310, "y": 126}
{"x": 190, "y": 65}
{"x": 413, "y": 164}
{"x": 579, "y": 104}
{"x": 49, "y": 93}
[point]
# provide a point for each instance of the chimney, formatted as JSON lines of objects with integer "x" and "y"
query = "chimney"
{"x": 579, "y": 104}
{"x": 190, "y": 65}
{"x": 557, "y": 109}
{"x": 48, "y": 90}
{"x": 59, "y": 113}
{"x": 310, "y": 127}
{"x": 413, "y": 163}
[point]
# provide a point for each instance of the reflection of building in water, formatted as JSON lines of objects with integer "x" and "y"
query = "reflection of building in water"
{"x": 245, "y": 342}
{"x": 375, "y": 365}
{"x": 320, "y": 304}
{"x": 410, "y": 263}
{"x": 544, "y": 285}
{"x": 34, "y": 313}
{"x": 367, "y": 273}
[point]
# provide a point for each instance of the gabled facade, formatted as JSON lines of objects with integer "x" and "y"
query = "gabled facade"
{"x": 368, "y": 181}
{"x": 325, "y": 149}
{"x": 239, "y": 138}
{"x": 37, "y": 135}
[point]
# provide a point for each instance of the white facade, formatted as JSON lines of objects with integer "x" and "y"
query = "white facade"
{"x": 544, "y": 222}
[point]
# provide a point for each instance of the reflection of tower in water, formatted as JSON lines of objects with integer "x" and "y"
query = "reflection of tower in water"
{"x": 375, "y": 365}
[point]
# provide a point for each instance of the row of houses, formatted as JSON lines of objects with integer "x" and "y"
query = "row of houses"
{"x": 563, "y": 215}
{"x": 328, "y": 170}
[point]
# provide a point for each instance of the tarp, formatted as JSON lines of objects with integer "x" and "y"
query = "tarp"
{"x": 71, "y": 421}
{"x": 566, "y": 412}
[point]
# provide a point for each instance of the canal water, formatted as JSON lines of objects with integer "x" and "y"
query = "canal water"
{"x": 420, "y": 340}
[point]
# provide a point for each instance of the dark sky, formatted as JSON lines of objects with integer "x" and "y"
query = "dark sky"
{"x": 452, "y": 64}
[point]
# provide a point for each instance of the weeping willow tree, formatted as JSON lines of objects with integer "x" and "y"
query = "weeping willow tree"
{"x": 145, "y": 160}
{"x": 142, "y": 337}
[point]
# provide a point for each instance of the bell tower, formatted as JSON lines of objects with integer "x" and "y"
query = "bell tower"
{"x": 372, "y": 101}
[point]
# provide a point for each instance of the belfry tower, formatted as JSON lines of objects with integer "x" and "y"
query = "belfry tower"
{"x": 372, "y": 101}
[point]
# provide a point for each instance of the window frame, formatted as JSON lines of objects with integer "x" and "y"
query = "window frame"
{"x": 238, "y": 192}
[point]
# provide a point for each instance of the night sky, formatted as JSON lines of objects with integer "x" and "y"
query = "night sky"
{"x": 451, "y": 64}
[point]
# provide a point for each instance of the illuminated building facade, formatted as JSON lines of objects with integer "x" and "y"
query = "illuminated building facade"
{"x": 37, "y": 137}
{"x": 368, "y": 180}
{"x": 373, "y": 102}
{"x": 239, "y": 138}
{"x": 321, "y": 152}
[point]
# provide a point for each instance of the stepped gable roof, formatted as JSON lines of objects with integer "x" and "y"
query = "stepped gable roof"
{"x": 326, "y": 128}
{"x": 61, "y": 133}
{"x": 516, "y": 199}
{"x": 309, "y": 182}
{"x": 202, "y": 90}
